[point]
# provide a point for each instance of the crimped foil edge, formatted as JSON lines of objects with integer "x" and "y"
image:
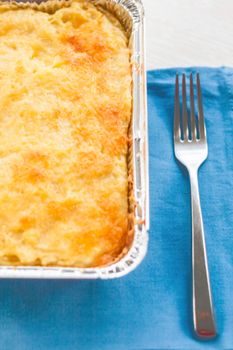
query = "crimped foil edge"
{"x": 45, "y": 5}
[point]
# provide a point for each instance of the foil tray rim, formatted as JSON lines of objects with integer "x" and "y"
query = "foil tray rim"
{"x": 137, "y": 251}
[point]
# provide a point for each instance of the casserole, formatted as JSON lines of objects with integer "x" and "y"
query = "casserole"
{"x": 126, "y": 12}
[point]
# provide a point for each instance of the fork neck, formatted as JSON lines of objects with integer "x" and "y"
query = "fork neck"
{"x": 193, "y": 175}
{"x": 193, "y": 172}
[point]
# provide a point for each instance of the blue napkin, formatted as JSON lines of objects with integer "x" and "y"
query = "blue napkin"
{"x": 151, "y": 307}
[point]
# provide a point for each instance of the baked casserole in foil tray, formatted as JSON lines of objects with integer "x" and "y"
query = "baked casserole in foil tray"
{"x": 74, "y": 147}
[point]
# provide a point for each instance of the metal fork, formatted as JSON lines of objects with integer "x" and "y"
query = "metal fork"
{"x": 191, "y": 149}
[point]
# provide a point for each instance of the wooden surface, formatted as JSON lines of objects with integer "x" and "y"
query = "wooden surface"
{"x": 189, "y": 32}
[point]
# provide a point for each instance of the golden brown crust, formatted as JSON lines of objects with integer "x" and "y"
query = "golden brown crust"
{"x": 64, "y": 117}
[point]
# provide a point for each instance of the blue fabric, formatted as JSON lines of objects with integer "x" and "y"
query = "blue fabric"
{"x": 150, "y": 308}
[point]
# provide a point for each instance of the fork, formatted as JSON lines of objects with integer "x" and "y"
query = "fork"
{"x": 191, "y": 149}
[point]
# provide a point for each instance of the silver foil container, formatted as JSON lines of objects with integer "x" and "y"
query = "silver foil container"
{"x": 131, "y": 14}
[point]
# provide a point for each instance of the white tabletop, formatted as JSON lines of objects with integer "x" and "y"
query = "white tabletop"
{"x": 189, "y": 32}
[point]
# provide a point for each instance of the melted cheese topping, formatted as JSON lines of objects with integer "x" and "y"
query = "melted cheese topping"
{"x": 65, "y": 107}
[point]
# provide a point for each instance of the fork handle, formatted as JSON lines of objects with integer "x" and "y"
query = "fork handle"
{"x": 203, "y": 314}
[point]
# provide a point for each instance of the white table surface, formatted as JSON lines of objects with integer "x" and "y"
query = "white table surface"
{"x": 189, "y": 32}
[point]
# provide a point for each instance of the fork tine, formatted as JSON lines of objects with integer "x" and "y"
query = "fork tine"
{"x": 192, "y": 110}
{"x": 201, "y": 122}
{"x": 177, "y": 131}
{"x": 184, "y": 109}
